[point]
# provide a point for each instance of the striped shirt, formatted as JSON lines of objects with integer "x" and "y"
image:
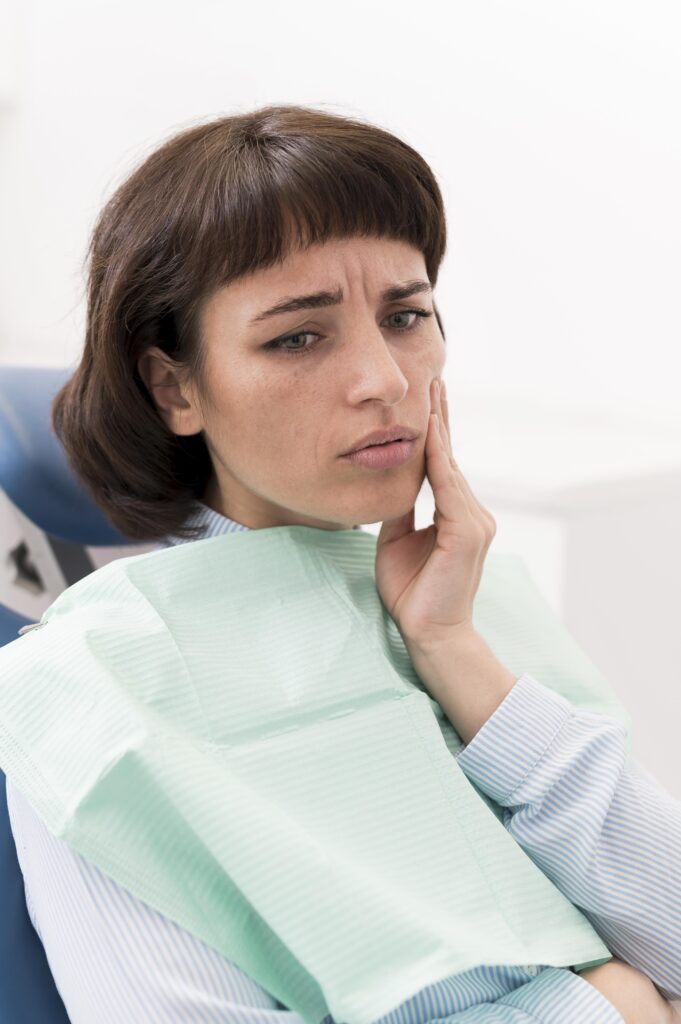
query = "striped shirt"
{"x": 604, "y": 831}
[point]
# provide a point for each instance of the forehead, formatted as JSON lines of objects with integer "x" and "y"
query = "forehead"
{"x": 380, "y": 262}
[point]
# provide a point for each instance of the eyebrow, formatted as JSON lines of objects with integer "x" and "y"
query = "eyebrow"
{"x": 326, "y": 298}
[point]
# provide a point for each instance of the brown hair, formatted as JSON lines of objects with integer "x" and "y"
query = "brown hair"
{"x": 212, "y": 203}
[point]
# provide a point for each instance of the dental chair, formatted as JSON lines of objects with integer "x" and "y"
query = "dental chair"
{"x": 37, "y": 485}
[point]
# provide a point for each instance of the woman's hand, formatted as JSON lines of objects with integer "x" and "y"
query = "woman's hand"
{"x": 427, "y": 579}
{"x": 631, "y": 992}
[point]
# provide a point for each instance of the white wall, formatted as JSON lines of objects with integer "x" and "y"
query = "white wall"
{"x": 555, "y": 132}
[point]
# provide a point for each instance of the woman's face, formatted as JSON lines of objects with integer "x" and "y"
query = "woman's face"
{"x": 276, "y": 420}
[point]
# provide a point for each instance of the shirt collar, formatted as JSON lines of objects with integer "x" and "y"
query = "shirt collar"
{"x": 212, "y": 523}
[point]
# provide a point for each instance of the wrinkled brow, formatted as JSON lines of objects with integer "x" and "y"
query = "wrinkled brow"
{"x": 326, "y": 298}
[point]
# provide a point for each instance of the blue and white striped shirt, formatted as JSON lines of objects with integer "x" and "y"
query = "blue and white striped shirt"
{"x": 607, "y": 834}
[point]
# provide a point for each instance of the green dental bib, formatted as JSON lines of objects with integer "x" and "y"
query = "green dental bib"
{"x": 232, "y": 729}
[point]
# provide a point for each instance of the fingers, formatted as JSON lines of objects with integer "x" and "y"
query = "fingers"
{"x": 449, "y": 496}
{"x": 441, "y": 407}
{"x": 443, "y": 412}
{"x": 446, "y": 480}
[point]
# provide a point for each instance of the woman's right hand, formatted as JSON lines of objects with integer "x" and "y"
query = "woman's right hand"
{"x": 631, "y": 992}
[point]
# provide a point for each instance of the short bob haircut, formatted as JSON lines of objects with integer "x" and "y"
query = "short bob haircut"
{"x": 216, "y": 201}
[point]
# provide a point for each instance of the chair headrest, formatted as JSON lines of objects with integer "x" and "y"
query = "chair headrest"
{"x": 34, "y": 472}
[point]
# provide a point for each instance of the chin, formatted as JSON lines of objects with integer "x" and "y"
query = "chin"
{"x": 377, "y": 505}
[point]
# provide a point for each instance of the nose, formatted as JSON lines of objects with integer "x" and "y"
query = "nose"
{"x": 377, "y": 374}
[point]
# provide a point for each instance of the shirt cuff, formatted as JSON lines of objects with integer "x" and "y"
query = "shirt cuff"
{"x": 514, "y": 738}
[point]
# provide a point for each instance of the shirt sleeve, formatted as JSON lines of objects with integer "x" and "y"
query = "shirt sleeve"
{"x": 112, "y": 956}
{"x": 598, "y": 824}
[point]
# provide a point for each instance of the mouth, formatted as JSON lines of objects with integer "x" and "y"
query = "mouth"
{"x": 383, "y": 437}
{"x": 383, "y": 455}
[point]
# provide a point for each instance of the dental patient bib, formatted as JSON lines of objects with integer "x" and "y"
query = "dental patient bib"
{"x": 232, "y": 729}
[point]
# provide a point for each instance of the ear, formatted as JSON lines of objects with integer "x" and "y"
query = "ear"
{"x": 164, "y": 380}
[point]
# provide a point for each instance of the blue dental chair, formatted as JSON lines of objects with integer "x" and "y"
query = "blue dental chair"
{"x": 36, "y": 478}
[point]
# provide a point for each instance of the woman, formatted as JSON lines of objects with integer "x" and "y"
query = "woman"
{"x": 260, "y": 301}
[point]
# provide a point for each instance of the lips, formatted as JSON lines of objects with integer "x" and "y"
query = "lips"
{"x": 399, "y": 432}
{"x": 383, "y": 456}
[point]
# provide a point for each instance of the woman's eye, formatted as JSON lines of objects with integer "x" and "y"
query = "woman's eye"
{"x": 278, "y": 343}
